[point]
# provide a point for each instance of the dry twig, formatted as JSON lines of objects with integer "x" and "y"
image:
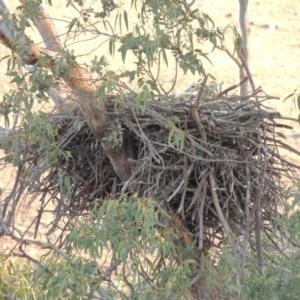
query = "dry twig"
{"x": 208, "y": 184}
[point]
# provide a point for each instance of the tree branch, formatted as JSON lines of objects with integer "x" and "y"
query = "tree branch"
{"x": 93, "y": 108}
{"x": 245, "y": 43}
{"x": 46, "y": 28}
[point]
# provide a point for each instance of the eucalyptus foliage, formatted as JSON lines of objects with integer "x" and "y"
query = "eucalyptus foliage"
{"x": 144, "y": 265}
{"x": 117, "y": 254}
{"x": 126, "y": 247}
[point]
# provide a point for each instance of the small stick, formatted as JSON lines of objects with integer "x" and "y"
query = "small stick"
{"x": 195, "y": 107}
{"x": 203, "y": 176}
{"x": 245, "y": 65}
{"x": 224, "y": 48}
{"x": 190, "y": 169}
{"x": 233, "y": 87}
{"x": 241, "y": 66}
{"x": 186, "y": 179}
{"x": 200, "y": 215}
{"x": 219, "y": 210}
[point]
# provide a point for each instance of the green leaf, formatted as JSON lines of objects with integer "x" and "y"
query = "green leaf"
{"x": 16, "y": 160}
{"x": 290, "y": 95}
{"x": 191, "y": 40}
{"x": 71, "y": 24}
{"x": 176, "y": 119}
{"x": 67, "y": 184}
{"x": 126, "y": 19}
{"x": 111, "y": 46}
{"x": 4, "y": 57}
{"x": 152, "y": 84}
{"x": 120, "y": 21}
{"x": 181, "y": 135}
{"x": 164, "y": 56}
{"x": 170, "y": 137}
{"x": 178, "y": 37}
{"x": 298, "y": 101}
{"x": 142, "y": 100}
{"x": 102, "y": 92}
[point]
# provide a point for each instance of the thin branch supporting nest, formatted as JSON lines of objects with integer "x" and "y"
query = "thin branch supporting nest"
{"x": 228, "y": 186}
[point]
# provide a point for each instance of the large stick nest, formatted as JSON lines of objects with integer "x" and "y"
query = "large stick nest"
{"x": 240, "y": 166}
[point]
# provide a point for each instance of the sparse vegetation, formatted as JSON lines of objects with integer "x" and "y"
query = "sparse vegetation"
{"x": 156, "y": 195}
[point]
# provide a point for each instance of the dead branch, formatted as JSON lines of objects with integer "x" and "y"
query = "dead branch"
{"x": 209, "y": 188}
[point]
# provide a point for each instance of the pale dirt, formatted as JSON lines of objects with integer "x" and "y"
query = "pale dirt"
{"x": 274, "y": 63}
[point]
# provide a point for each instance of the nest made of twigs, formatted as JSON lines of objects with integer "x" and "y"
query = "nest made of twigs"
{"x": 235, "y": 177}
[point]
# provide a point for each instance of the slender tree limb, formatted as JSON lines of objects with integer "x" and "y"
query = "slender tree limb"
{"x": 243, "y": 77}
{"x": 75, "y": 77}
{"x": 246, "y": 67}
{"x": 219, "y": 210}
{"x": 46, "y": 28}
{"x": 244, "y": 28}
{"x": 224, "y": 48}
{"x": 35, "y": 261}
{"x": 194, "y": 109}
{"x": 245, "y": 42}
{"x": 232, "y": 87}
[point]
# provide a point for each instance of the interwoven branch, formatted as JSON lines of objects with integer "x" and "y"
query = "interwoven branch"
{"x": 208, "y": 184}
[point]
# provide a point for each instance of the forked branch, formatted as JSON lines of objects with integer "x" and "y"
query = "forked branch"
{"x": 75, "y": 78}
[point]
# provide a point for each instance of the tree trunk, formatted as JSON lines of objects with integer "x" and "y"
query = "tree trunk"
{"x": 245, "y": 44}
{"x": 92, "y": 107}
